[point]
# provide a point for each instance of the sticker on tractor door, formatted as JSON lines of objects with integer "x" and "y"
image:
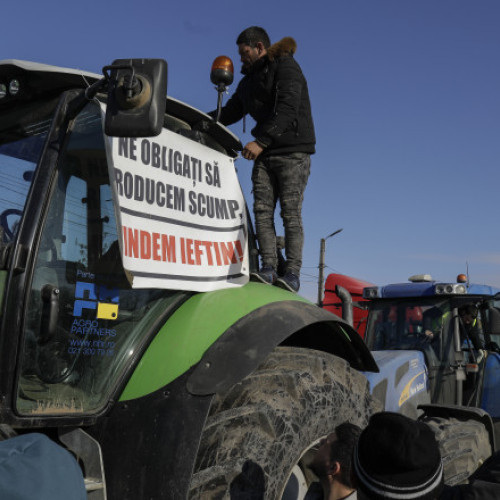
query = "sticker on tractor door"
{"x": 101, "y": 300}
{"x": 180, "y": 213}
{"x": 94, "y": 307}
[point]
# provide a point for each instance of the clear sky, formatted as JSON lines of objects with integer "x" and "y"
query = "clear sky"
{"x": 405, "y": 97}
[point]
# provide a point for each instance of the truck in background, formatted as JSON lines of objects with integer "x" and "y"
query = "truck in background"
{"x": 334, "y": 299}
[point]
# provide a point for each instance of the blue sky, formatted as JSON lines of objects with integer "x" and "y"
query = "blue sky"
{"x": 405, "y": 97}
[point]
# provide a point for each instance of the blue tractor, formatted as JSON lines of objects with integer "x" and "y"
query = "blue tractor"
{"x": 437, "y": 347}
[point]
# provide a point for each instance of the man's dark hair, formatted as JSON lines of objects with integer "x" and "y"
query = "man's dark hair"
{"x": 347, "y": 437}
{"x": 252, "y": 35}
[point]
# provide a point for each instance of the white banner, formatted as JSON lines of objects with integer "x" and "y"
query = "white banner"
{"x": 180, "y": 213}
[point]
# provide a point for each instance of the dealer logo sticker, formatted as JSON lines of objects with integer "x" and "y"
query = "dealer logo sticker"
{"x": 102, "y": 300}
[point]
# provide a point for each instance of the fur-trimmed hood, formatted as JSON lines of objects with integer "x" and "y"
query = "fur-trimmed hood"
{"x": 286, "y": 46}
{"x": 274, "y": 93}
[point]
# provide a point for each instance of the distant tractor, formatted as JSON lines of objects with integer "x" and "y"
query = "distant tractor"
{"x": 425, "y": 317}
{"x": 433, "y": 358}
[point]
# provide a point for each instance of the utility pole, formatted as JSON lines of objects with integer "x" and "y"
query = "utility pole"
{"x": 322, "y": 265}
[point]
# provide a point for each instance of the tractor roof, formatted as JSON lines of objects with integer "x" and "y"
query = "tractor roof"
{"x": 431, "y": 288}
{"x": 37, "y": 79}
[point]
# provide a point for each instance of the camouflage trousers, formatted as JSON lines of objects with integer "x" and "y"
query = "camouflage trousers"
{"x": 280, "y": 178}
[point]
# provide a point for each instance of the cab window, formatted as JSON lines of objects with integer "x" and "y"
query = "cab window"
{"x": 84, "y": 323}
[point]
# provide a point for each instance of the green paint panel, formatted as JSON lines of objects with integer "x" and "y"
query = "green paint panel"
{"x": 192, "y": 329}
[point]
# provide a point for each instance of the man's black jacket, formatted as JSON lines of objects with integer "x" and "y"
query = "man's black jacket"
{"x": 274, "y": 93}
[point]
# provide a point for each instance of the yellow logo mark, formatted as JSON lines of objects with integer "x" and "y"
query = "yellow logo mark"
{"x": 409, "y": 391}
{"x": 107, "y": 311}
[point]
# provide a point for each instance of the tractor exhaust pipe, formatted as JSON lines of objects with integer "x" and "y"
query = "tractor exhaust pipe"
{"x": 346, "y": 299}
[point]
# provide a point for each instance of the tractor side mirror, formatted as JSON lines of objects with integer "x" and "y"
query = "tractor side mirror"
{"x": 137, "y": 96}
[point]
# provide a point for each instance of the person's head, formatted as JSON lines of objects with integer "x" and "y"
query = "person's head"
{"x": 468, "y": 313}
{"x": 252, "y": 45}
{"x": 334, "y": 456}
{"x": 397, "y": 458}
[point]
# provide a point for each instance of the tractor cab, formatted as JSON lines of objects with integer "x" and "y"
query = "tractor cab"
{"x": 449, "y": 332}
{"x": 72, "y": 323}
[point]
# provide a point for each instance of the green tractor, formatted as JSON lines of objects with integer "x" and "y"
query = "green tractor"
{"x": 160, "y": 391}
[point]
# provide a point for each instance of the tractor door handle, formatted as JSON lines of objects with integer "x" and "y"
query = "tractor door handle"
{"x": 50, "y": 312}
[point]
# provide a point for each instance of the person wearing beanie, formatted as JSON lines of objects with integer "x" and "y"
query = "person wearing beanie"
{"x": 397, "y": 458}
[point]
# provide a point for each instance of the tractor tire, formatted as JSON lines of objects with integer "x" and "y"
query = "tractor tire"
{"x": 464, "y": 446}
{"x": 260, "y": 435}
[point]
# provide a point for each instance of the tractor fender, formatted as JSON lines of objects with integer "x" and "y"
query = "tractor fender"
{"x": 243, "y": 346}
{"x": 216, "y": 332}
{"x": 461, "y": 413}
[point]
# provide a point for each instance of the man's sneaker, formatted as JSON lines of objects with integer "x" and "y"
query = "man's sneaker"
{"x": 267, "y": 275}
{"x": 289, "y": 282}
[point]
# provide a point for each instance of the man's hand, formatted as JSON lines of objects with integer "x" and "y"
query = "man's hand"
{"x": 481, "y": 354}
{"x": 429, "y": 335}
{"x": 251, "y": 151}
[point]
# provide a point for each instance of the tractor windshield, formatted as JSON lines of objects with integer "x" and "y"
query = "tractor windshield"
{"x": 426, "y": 324}
{"x": 22, "y": 135}
{"x": 407, "y": 324}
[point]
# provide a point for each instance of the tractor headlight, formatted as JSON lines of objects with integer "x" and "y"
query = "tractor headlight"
{"x": 370, "y": 292}
{"x": 450, "y": 288}
{"x": 14, "y": 87}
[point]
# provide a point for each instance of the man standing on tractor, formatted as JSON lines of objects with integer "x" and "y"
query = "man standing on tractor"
{"x": 274, "y": 93}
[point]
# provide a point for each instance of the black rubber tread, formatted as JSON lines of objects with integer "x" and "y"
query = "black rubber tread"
{"x": 464, "y": 445}
{"x": 260, "y": 428}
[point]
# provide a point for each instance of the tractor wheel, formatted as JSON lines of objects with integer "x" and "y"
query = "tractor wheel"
{"x": 261, "y": 434}
{"x": 464, "y": 445}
